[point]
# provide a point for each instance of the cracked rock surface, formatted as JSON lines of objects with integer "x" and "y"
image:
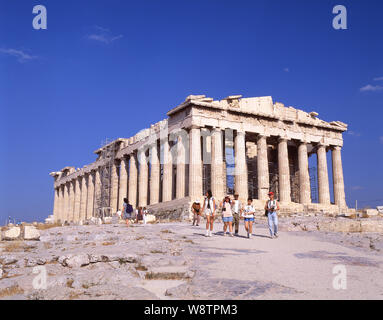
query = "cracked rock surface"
{"x": 176, "y": 261}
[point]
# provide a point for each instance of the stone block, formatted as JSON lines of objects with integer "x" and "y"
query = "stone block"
{"x": 13, "y": 233}
{"x": 31, "y": 233}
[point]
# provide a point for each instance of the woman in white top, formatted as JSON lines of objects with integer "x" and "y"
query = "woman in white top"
{"x": 227, "y": 216}
{"x": 248, "y": 215}
{"x": 209, "y": 210}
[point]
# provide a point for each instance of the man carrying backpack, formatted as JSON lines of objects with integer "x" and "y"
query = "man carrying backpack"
{"x": 271, "y": 208}
{"x": 127, "y": 211}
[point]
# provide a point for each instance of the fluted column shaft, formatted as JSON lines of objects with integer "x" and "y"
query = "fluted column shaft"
{"x": 142, "y": 179}
{"x": 323, "y": 184}
{"x": 90, "y": 197}
{"x": 180, "y": 183}
{"x": 338, "y": 180}
{"x": 240, "y": 179}
{"x": 304, "y": 177}
{"x": 84, "y": 198}
{"x": 97, "y": 192}
{"x": 56, "y": 204}
{"x": 217, "y": 167}
{"x": 284, "y": 172}
{"x": 62, "y": 203}
{"x": 67, "y": 206}
{"x": 71, "y": 201}
{"x": 195, "y": 164}
{"x": 133, "y": 181}
{"x": 123, "y": 186}
{"x": 262, "y": 168}
{"x": 77, "y": 199}
{"x": 167, "y": 171}
{"x": 114, "y": 188}
{"x": 154, "y": 184}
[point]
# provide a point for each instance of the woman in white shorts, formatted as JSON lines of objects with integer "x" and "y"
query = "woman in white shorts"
{"x": 209, "y": 210}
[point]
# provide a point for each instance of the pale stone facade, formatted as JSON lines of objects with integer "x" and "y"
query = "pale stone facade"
{"x": 176, "y": 160}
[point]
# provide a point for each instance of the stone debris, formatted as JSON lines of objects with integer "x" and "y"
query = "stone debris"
{"x": 176, "y": 261}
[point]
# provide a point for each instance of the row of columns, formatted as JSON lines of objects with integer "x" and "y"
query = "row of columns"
{"x": 75, "y": 200}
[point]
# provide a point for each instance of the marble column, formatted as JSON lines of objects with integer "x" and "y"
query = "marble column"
{"x": 283, "y": 171}
{"x": 62, "y": 203}
{"x": 262, "y": 168}
{"x": 240, "y": 171}
{"x": 77, "y": 199}
{"x": 195, "y": 164}
{"x": 66, "y": 215}
{"x": 217, "y": 166}
{"x": 123, "y": 185}
{"x": 97, "y": 193}
{"x": 56, "y": 204}
{"x": 133, "y": 180}
{"x": 84, "y": 198}
{"x": 90, "y": 197}
{"x": 323, "y": 184}
{"x": 181, "y": 160}
{"x": 71, "y": 201}
{"x": 338, "y": 180}
{"x": 114, "y": 188}
{"x": 167, "y": 171}
{"x": 142, "y": 179}
{"x": 304, "y": 177}
{"x": 154, "y": 184}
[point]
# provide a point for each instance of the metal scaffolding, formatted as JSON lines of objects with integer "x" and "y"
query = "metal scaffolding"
{"x": 102, "y": 201}
{"x": 313, "y": 184}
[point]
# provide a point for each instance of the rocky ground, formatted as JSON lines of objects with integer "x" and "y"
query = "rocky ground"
{"x": 176, "y": 261}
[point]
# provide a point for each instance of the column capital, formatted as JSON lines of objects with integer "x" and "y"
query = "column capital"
{"x": 241, "y": 132}
{"x": 283, "y": 138}
{"x": 336, "y": 148}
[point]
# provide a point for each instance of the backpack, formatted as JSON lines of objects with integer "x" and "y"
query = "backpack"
{"x": 129, "y": 208}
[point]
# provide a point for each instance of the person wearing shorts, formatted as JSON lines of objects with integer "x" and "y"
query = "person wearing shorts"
{"x": 209, "y": 210}
{"x": 227, "y": 216}
{"x": 248, "y": 216}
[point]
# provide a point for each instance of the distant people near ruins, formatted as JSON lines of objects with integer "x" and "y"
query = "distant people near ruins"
{"x": 140, "y": 214}
{"x": 144, "y": 214}
{"x": 271, "y": 208}
{"x": 209, "y": 211}
{"x": 196, "y": 210}
{"x": 127, "y": 211}
{"x": 236, "y": 208}
{"x": 227, "y": 215}
{"x": 248, "y": 215}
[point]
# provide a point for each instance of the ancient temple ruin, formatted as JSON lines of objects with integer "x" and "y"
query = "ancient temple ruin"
{"x": 243, "y": 145}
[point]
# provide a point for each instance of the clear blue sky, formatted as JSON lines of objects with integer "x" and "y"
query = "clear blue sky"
{"x": 106, "y": 69}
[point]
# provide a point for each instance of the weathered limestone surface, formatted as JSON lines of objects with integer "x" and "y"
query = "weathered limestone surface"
{"x": 240, "y": 183}
{"x": 304, "y": 177}
{"x": 175, "y": 261}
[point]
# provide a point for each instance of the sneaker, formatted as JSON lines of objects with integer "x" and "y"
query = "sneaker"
{"x": 249, "y": 235}
{"x": 231, "y": 235}
{"x": 224, "y": 234}
{"x": 207, "y": 233}
{"x": 197, "y": 225}
{"x": 276, "y": 235}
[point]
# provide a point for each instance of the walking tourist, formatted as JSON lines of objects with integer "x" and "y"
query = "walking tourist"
{"x": 144, "y": 214}
{"x": 209, "y": 210}
{"x": 236, "y": 208}
{"x": 139, "y": 216}
{"x": 127, "y": 211}
{"x": 227, "y": 216}
{"x": 248, "y": 215}
{"x": 271, "y": 208}
{"x": 196, "y": 209}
